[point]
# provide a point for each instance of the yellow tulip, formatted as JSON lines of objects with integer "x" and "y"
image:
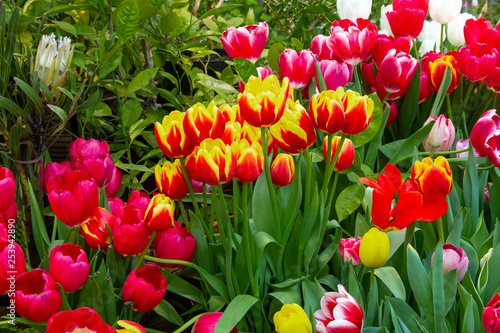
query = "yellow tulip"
{"x": 292, "y": 319}
{"x": 374, "y": 248}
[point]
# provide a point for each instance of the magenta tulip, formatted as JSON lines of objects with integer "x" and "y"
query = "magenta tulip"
{"x": 298, "y": 67}
{"x": 320, "y": 49}
{"x": 69, "y": 266}
{"x": 114, "y": 183}
{"x": 207, "y": 323}
{"x": 349, "y": 250}
{"x": 491, "y": 315}
{"x": 140, "y": 200}
{"x": 247, "y": 42}
{"x": 145, "y": 288}
{"x": 55, "y": 169}
{"x": 80, "y": 148}
{"x": 174, "y": 243}
{"x": 12, "y": 261}
{"x": 130, "y": 231}
{"x": 485, "y": 136}
{"x": 79, "y": 320}
{"x": 100, "y": 168}
{"x": 476, "y": 61}
{"x": 7, "y": 188}
{"x": 336, "y": 74}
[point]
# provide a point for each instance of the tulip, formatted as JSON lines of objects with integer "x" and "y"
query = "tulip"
{"x": 437, "y": 69}
{"x": 79, "y": 320}
{"x": 55, "y": 169}
{"x": 114, "y": 183}
{"x": 430, "y": 37}
{"x": 486, "y": 128}
{"x": 425, "y": 87}
{"x": 249, "y": 160}
{"x": 95, "y": 232}
{"x": 160, "y": 213}
{"x": 346, "y": 156}
{"x": 282, "y": 170}
{"x": 139, "y": 199}
{"x": 336, "y": 74}
{"x": 100, "y": 168}
{"x": 74, "y": 197}
{"x": 37, "y": 296}
{"x": 340, "y": 312}
{"x": 174, "y": 243}
{"x": 444, "y": 11}
{"x": 145, "y": 288}
{"x": 385, "y": 27}
{"x": 476, "y": 61}
{"x": 207, "y": 323}
{"x": 292, "y": 319}
{"x": 294, "y": 132}
{"x": 407, "y": 17}
{"x": 9, "y": 215}
{"x": 246, "y": 42}
{"x": 320, "y": 49}
{"x": 232, "y": 133}
{"x": 53, "y": 59}
{"x": 262, "y": 72}
{"x": 441, "y": 136}
{"x": 349, "y": 250}
{"x": 384, "y": 44}
{"x": 327, "y": 112}
{"x": 456, "y": 29}
{"x": 129, "y": 327}
{"x": 492, "y": 81}
{"x": 298, "y": 67}
{"x": 432, "y": 177}
{"x": 171, "y": 138}
{"x": 374, "y": 248}
{"x": 232, "y": 113}
{"x": 358, "y": 111}
{"x": 80, "y": 148}
{"x": 354, "y": 9}
{"x": 12, "y": 261}
{"x": 69, "y": 266}
{"x": 170, "y": 180}
{"x": 491, "y": 315}
{"x": 462, "y": 144}
{"x": 212, "y": 162}
{"x": 263, "y": 102}
{"x": 396, "y": 72}
{"x": 492, "y": 147}
{"x": 486, "y": 258}
{"x": 473, "y": 29}
{"x": 352, "y": 41}
{"x": 202, "y": 122}
{"x": 130, "y": 232}
{"x": 454, "y": 257}
{"x": 115, "y": 204}
{"x": 393, "y": 112}
{"x": 7, "y": 188}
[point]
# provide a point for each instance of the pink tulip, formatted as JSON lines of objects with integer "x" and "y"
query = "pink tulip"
{"x": 37, "y": 296}
{"x": 207, "y": 323}
{"x": 298, "y": 67}
{"x": 145, "y": 288}
{"x": 246, "y": 42}
{"x": 384, "y": 43}
{"x": 454, "y": 257}
{"x": 441, "y": 136}
{"x": 74, "y": 197}
{"x": 319, "y": 47}
{"x": 462, "y": 144}
{"x": 69, "y": 266}
{"x": 9, "y": 215}
{"x": 349, "y": 250}
{"x": 485, "y": 136}
{"x": 425, "y": 87}
{"x": 80, "y": 148}
{"x": 395, "y": 73}
{"x": 336, "y": 74}
{"x": 393, "y": 112}
{"x": 174, "y": 243}
{"x": 130, "y": 231}
{"x": 79, "y": 320}
{"x": 115, "y": 204}
{"x": 12, "y": 261}
{"x": 352, "y": 41}
{"x": 140, "y": 200}
{"x": 340, "y": 312}
{"x": 491, "y": 315}
{"x": 473, "y": 28}
{"x": 54, "y": 169}
{"x": 114, "y": 183}
{"x": 492, "y": 81}
{"x": 7, "y": 188}
{"x": 100, "y": 168}
{"x": 476, "y": 61}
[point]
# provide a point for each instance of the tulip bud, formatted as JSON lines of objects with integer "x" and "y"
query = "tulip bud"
{"x": 55, "y": 169}
{"x": 441, "y": 136}
{"x": 174, "y": 243}
{"x": 282, "y": 170}
{"x": 160, "y": 213}
{"x": 349, "y": 250}
{"x": 145, "y": 288}
{"x": 95, "y": 232}
{"x": 80, "y": 148}
{"x": 346, "y": 156}
{"x": 374, "y": 248}
{"x": 69, "y": 266}
{"x": 485, "y": 258}
{"x": 139, "y": 199}
{"x": 292, "y": 319}
{"x": 491, "y": 315}
{"x": 444, "y": 11}
{"x": 207, "y": 323}
{"x": 456, "y": 29}
{"x": 454, "y": 257}
{"x": 336, "y": 74}
{"x": 100, "y": 168}
{"x": 327, "y": 112}
{"x": 249, "y": 160}
{"x": 37, "y": 295}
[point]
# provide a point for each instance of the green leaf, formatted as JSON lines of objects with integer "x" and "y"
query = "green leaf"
{"x": 180, "y": 286}
{"x": 414, "y": 140}
{"x": 141, "y": 168}
{"x": 419, "y": 281}
{"x": 167, "y": 311}
{"x": 406, "y": 314}
{"x": 374, "y": 147}
{"x": 218, "y": 86}
{"x": 245, "y": 69}
{"x": 262, "y": 212}
{"x": 409, "y": 109}
{"x": 273, "y": 56}
{"x": 28, "y": 90}
{"x": 12, "y": 107}
{"x": 493, "y": 275}
{"x": 369, "y": 133}
{"x": 142, "y": 79}
{"x": 438, "y": 287}
{"x": 126, "y": 19}
{"x": 38, "y": 224}
{"x": 349, "y": 200}
{"x": 222, "y": 9}
{"x": 131, "y": 112}
{"x": 234, "y": 312}
{"x": 68, "y": 27}
{"x": 445, "y": 84}
{"x": 60, "y": 112}
{"x": 450, "y": 281}
{"x": 390, "y": 277}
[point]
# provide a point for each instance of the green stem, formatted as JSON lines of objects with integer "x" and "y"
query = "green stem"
{"x": 441, "y": 48}
{"x": 331, "y": 166}
{"x": 247, "y": 238}
{"x": 372, "y": 276}
{"x": 332, "y": 191}
{"x": 189, "y": 323}
{"x": 183, "y": 212}
{"x": 448, "y": 105}
{"x": 440, "y": 230}
{"x": 236, "y": 190}
{"x": 190, "y": 187}
{"x": 220, "y": 225}
{"x": 438, "y": 153}
{"x": 146, "y": 250}
{"x": 120, "y": 116}
{"x": 328, "y": 166}
{"x": 309, "y": 175}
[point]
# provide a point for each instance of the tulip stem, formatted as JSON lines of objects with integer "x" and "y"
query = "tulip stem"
{"x": 146, "y": 250}
{"x": 235, "y": 203}
{"x": 437, "y": 153}
{"x": 440, "y": 230}
{"x": 190, "y": 187}
{"x": 448, "y": 105}
{"x": 334, "y": 186}
{"x": 442, "y": 39}
{"x": 247, "y": 236}
{"x": 309, "y": 174}
{"x": 222, "y": 232}
{"x": 330, "y": 166}
{"x": 372, "y": 276}
{"x": 189, "y": 323}
{"x": 183, "y": 212}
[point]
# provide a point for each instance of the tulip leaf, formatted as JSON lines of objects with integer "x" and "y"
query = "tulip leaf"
{"x": 38, "y": 224}
{"x": 494, "y": 192}
{"x": 390, "y": 277}
{"x": 245, "y": 69}
{"x": 349, "y": 200}
{"x": 180, "y": 286}
{"x": 438, "y": 287}
{"x": 167, "y": 311}
{"x": 409, "y": 109}
{"x": 262, "y": 212}
{"x": 234, "y": 312}
{"x": 371, "y": 306}
{"x": 406, "y": 315}
{"x": 450, "y": 281}
{"x": 106, "y": 288}
{"x": 142, "y": 79}
{"x": 376, "y": 122}
{"x": 493, "y": 280}
{"x": 471, "y": 186}
{"x": 134, "y": 167}
{"x": 97, "y": 301}
{"x": 373, "y": 148}
{"x": 126, "y": 19}
{"x": 405, "y": 150}
{"x": 419, "y": 282}
{"x": 288, "y": 296}
{"x": 456, "y": 230}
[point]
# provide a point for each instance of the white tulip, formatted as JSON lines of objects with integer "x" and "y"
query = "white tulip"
{"x": 456, "y": 29}
{"x": 385, "y": 27}
{"x": 354, "y": 9}
{"x": 444, "y": 11}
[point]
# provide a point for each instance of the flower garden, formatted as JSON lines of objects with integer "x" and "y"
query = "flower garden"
{"x": 250, "y": 166}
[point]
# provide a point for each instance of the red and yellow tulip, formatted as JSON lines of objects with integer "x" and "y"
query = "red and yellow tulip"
{"x": 202, "y": 122}
{"x": 170, "y": 180}
{"x": 171, "y": 137}
{"x": 249, "y": 160}
{"x": 432, "y": 177}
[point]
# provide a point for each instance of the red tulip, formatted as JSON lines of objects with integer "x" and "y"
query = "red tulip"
{"x": 491, "y": 315}
{"x": 298, "y": 67}
{"x": 171, "y": 137}
{"x": 319, "y": 47}
{"x": 139, "y": 199}
{"x": 7, "y": 188}
{"x": 207, "y": 323}
{"x": 174, "y": 243}
{"x": 74, "y": 197}
{"x": 346, "y": 155}
{"x": 202, "y": 122}
{"x": 145, "y": 288}
{"x": 130, "y": 232}
{"x": 160, "y": 213}
{"x": 95, "y": 232}
{"x": 336, "y": 74}
{"x": 492, "y": 81}
{"x": 12, "y": 261}
{"x": 437, "y": 69}
{"x": 37, "y": 296}
{"x": 79, "y": 320}
{"x": 340, "y": 312}
{"x": 249, "y": 160}
{"x": 8, "y": 216}
{"x": 282, "y": 170}
{"x": 383, "y": 44}
{"x": 358, "y": 111}
{"x": 352, "y": 41}
{"x": 114, "y": 183}
{"x": 407, "y": 18}
{"x": 432, "y": 177}
{"x": 395, "y": 73}
{"x": 69, "y": 266}
{"x": 393, "y": 112}
{"x": 246, "y": 42}
{"x": 54, "y": 169}
{"x": 473, "y": 28}
{"x": 487, "y": 127}
{"x": 100, "y": 168}
{"x": 115, "y": 204}
{"x": 80, "y": 148}
{"x": 425, "y": 87}
{"x": 441, "y": 136}
{"x": 476, "y": 61}
{"x": 349, "y": 250}
{"x": 170, "y": 180}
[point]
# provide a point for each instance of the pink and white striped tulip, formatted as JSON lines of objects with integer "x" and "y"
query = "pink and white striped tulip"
{"x": 298, "y": 67}
{"x": 441, "y": 136}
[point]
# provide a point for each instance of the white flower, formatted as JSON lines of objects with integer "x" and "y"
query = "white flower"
{"x": 456, "y": 29}
{"x": 354, "y": 9}
{"x": 444, "y": 11}
{"x": 430, "y": 37}
{"x": 384, "y": 22}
